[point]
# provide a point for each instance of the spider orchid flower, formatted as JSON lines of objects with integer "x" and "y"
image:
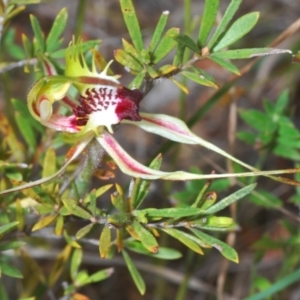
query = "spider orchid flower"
{"x": 104, "y": 102}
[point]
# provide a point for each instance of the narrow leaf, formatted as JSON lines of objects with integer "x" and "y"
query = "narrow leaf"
{"x": 7, "y": 245}
{"x": 172, "y": 212}
{"x": 278, "y": 286}
{"x": 238, "y": 29}
{"x": 56, "y": 31}
{"x": 187, "y": 42}
{"x": 141, "y": 187}
{"x": 230, "y": 199}
{"x": 127, "y": 60}
{"x": 225, "y": 64}
{"x": 166, "y": 45}
{"x": 184, "y": 238}
{"x": 105, "y": 241}
{"x": 132, "y": 23}
{"x": 159, "y": 29}
{"x": 101, "y": 275}
{"x": 136, "y": 276}
{"x": 247, "y": 53}
{"x": 181, "y": 86}
{"x": 207, "y": 21}
{"x": 162, "y": 253}
{"x": 229, "y": 13}
{"x": 200, "y": 78}
{"x": 224, "y": 249}
{"x": 145, "y": 236}
{"x": 38, "y": 34}
{"x": 10, "y": 270}
{"x": 76, "y": 260}
{"x": 84, "y": 231}
{"x": 59, "y": 226}
{"x": 118, "y": 200}
{"x": 49, "y": 167}
{"x": 73, "y": 207}
{"x": 45, "y": 221}
{"x": 7, "y": 227}
{"x": 137, "y": 81}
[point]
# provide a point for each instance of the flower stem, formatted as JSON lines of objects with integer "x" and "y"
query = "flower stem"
{"x": 93, "y": 157}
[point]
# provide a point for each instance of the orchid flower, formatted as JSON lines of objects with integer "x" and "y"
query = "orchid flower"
{"x": 103, "y": 102}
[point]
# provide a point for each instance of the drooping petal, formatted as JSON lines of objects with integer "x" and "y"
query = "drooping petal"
{"x": 78, "y": 149}
{"x": 176, "y": 130}
{"x": 131, "y": 167}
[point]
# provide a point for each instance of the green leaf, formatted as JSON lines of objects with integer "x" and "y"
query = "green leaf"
{"x": 212, "y": 223}
{"x": 187, "y": 42}
{"x": 282, "y": 102}
{"x": 287, "y": 152}
{"x": 71, "y": 242}
{"x": 129, "y": 48}
{"x": 162, "y": 253}
{"x": 255, "y": 118}
{"x": 10, "y": 270}
{"x": 145, "y": 236}
{"x": 185, "y": 238}
{"x": 73, "y": 207}
{"x": 207, "y": 21}
{"x": 230, "y": 199}
{"x": 166, "y": 45}
{"x": 203, "y": 78}
{"x": 277, "y": 286}
{"x": 136, "y": 276}
{"x": 27, "y": 46}
{"x": 208, "y": 200}
{"x": 247, "y": 137}
{"x": 38, "y": 34}
{"x": 179, "y": 55}
{"x": 159, "y": 29}
{"x": 7, "y": 245}
{"x": 141, "y": 187}
{"x": 137, "y": 81}
{"x": 44, "y": 208}
{"x": 127, "y": 60}
{"x": 224, "y": 249}
{"x": 25, "y": 122}
{"x": 92, "y": 199}
{"x": 247, "y": 53}
{"x": 132, "y": 23}
{"x": 7, "y": 227}
{"x": 49, "y": 168}
{"x": 84, "y": 231}
{"x": 56, "y": 31}
{"x": 237, "y": 30}
{"x": 59, "y": 226}
{"x": 228, "y": 15}
{"x": 105, "y": 241}
{"x": 225, "y": 64}
{"x": 99, "y": 192}
{"x": 43, "y": 222}
{"x": 118, "y": 200}
{"x": 84, "y": 47}
{"x": 101, "y": 275}
{"x": 174, "y": 212}
{"x": 75, "y": 262}
{"x": 264, "y": 198}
